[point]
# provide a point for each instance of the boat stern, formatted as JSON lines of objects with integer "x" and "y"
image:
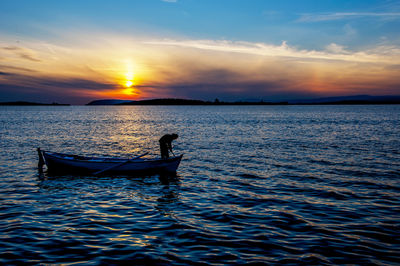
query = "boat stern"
{"x": 173, "y": 163}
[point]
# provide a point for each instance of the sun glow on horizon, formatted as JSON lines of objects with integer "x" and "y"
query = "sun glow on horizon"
{"x": 129, "y": 79}
{"x": 128, "y": 91}
{"x": 124, "y": 75}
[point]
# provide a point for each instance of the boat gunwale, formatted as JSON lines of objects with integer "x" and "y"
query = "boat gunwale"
{"x": 60, "y": 156}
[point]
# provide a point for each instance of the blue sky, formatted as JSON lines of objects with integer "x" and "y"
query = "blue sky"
{"x": 342, "y": 27}
{"x": 307, "y": 24}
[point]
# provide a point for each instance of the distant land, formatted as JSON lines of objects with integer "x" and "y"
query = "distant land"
{"x": 357, "y": 99}
{"x": 108, "y": 102}
{"x": 174, "y": 101}
{"x": 199, "y": 102}
{"x": 22, "y": 103}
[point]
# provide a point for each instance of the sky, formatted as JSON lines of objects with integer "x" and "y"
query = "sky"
{"x": 78, "y": 51}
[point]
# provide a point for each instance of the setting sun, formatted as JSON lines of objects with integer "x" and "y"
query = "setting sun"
{"x": 128, "y": 83}
{"x": 129, "y": 80}
{"x": 129, "y": 74}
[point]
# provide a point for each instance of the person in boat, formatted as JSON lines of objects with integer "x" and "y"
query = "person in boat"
{"x": 166, "y": 144}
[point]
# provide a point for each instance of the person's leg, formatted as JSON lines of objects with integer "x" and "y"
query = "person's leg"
{"x": 164, "y": 151}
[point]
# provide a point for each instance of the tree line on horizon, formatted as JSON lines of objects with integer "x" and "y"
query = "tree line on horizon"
{"x": 358, "y": 99}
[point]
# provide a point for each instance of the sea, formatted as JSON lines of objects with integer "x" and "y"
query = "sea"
{"x": 257, "y": 185}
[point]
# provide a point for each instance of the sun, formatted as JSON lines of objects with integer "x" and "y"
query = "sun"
{"x": 128, "y": 79}
{"x": 128, "y": 83}
{"x": 128, "y": 86}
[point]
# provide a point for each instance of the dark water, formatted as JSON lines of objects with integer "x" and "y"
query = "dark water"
{"x": 258, "y": 184}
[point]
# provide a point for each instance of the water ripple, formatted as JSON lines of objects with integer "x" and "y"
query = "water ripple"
{"x": 261, "y": 185}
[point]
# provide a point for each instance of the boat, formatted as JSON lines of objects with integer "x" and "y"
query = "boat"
{"x": 68, "y": 163}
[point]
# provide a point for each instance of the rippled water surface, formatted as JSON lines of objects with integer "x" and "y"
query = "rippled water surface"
{"x": 257, "y": 184}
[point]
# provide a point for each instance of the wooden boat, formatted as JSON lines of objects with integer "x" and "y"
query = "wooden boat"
{"x": 61, "y": 162}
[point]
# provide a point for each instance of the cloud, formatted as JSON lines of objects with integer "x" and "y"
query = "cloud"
{"x": 199, "y": 69}
{"x": 332, "y": 52}
{"x": 13, "y": 69}
{"x": 23, "y": 53}
{"x": 336, "y": 49}
{"x": 231, "y": 90}
{"x": 394, "y": 67}
{"x": 203, "y": 81}
{"x": 5, "y": 73}
{"x": 53, "y": 88}
{"x": 237, "y": 69}
{"x": 350, "y": 31}
{"x": 348, "y": 15}
{"x": 170, "y": 1}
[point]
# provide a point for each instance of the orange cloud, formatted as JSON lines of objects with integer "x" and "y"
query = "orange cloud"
{"x": 137, "y": 69}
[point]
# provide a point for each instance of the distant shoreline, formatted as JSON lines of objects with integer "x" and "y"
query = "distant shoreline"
{"x": 377, "y": 100}
{"x": 278, "y": 103}
{"x": 172, "y": 101}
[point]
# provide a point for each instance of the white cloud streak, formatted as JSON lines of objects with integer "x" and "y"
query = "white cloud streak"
{"x": 380, "y": 54}
{"x": 347, "y": 15}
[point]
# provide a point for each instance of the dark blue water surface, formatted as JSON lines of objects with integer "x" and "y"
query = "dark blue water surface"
{"x": 258, "y": 184}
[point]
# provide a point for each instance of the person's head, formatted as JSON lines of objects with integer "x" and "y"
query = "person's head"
{"x": 174, "y": 136}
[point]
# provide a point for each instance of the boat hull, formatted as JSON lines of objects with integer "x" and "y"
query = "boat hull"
{"x": 66, "y": 163}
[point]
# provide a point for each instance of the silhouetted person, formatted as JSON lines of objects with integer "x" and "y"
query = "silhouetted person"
{"x": 166, "y": 144}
